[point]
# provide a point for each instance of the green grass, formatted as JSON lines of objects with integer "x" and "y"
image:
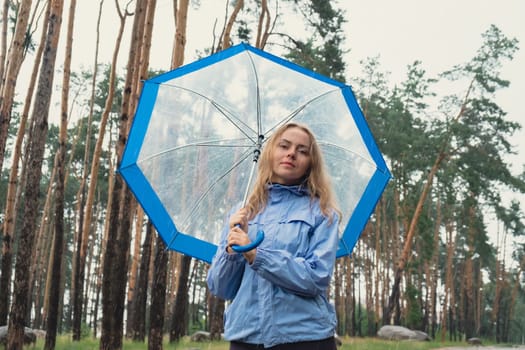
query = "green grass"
{"x": 378, "y": 344}
{"x": 65, "y": 343}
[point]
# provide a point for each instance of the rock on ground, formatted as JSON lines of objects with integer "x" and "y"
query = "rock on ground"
{"x": 390, "y": 332}
{"x": 30, "y": 335}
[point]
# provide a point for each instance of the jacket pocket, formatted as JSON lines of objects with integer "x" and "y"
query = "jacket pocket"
{"x": 293, "y": 233}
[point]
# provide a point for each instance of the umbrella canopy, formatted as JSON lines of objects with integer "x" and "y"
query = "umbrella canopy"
{"x": 197, "y": 128}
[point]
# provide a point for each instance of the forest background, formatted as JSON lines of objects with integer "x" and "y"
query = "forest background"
{"x": 443, "y": 252}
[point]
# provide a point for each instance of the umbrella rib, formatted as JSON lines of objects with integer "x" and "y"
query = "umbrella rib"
{"x": 213, "y": 184}
{"x": 196, "y": 144}
{"x": 223, "y": 110}
{"x": 348, "y": 151}
{"x": 258, "y": 95}
{"x": 298, "y": 110}
{"x": 229, "y": 115}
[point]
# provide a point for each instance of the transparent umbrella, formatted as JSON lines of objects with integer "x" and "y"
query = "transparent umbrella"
{"x": 198, "y": 130}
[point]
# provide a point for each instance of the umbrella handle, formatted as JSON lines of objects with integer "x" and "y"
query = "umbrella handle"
{"x": 248, "y": 247}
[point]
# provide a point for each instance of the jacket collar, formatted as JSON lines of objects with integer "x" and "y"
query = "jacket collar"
{"x": 298, "y": 190}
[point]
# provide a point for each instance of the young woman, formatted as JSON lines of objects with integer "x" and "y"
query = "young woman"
{"x": 278, "y": 290}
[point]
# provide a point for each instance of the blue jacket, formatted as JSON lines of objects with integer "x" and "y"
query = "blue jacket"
{"x": 281, "y": 297}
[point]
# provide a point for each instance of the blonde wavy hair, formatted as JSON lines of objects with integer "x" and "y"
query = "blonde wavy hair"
{"x": 316, "y": 179}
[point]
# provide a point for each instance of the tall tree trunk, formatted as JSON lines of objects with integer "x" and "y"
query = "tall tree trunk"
{"x": 43, "y": 240}
{"x": 379, "y": 257}
{"x": 180, "y": 11}
{"x": 133, "y": 271}
{"x": 369, "y": 280}
{"x": 77, "y": 284}
{"x": 349, "y": 297}
{"x": 434, "y": 272}
{"x": 60, "y": 312}
{"x": 180, "y": 306}
{"x": 58, "y": 241}
{"x": 3, "y": 38}
{"x": 468, "y": 276}
{"x": 338, "y": 302}
{"x": 158, "y": 296}
{"x": 103, "y": 250}
{"x": 171, "y": 288}
{"x": 449, "y": 269}
{"x": 39, "y": 321}
{"x": 358, "y": 317}
{"x": 264, "y": 22}
{"x": 179, "y": 318}
{"x": 11, "y": 202}
{"x": 120, "y": 268}
{"x": 90, "y": 264}
{"x": 93, "y": 177}
{"x": 197, "y": 279}
{"x": 497, "y": 298}
{"x": 478, "y": 293}
{"x": 500, "y": 278}
{"x": 453, "y": 309}
{"x": 515, "y": 290}
{"x": 138, "y": 321}
{"x": 38, "y": 276}
{"x": 224, "y": 42}
{"x": 142, "y": 66}
{"x": 14, "y": 63}
{"x": 215, "y": 316}
{"x": 116, "y": 255}
{"x": 38, "y": 138}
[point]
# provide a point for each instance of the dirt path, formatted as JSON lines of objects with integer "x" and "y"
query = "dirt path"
{"x": 481, "y": 347}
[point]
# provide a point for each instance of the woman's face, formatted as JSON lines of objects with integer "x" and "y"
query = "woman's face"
{"x": 291, "y": 157}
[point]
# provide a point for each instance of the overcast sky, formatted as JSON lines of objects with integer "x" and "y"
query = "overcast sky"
{"x": 440, "y": 34}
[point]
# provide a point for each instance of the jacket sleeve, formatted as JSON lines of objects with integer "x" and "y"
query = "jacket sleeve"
{"x": 226, "y": 270}
{"x": 306, "y": 276}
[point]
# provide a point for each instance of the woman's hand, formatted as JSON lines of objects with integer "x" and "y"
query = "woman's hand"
{"x": 240, "y": 218}
{"x": 238, "y": 235}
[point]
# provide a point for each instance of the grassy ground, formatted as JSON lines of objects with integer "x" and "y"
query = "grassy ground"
{"x": 65, "y": 343}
